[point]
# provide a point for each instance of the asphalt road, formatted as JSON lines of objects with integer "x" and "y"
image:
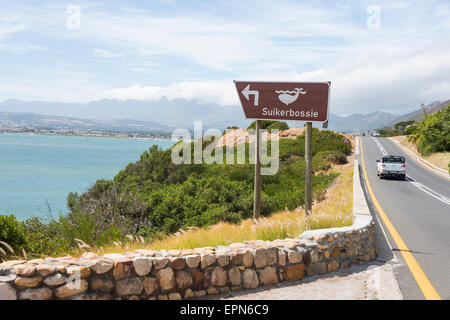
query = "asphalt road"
{"x": 419, "y": 209}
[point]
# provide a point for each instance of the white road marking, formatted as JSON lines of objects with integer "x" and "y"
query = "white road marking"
{"x": 428, "y": 190}
{"x": 387, "y": 240}
{"x": 394, "y": 259}
{"x": 416, "y": 183}
{"x": 380, "y": 146}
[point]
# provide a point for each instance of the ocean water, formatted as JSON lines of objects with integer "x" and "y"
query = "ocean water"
{"x": 38, "y": 172}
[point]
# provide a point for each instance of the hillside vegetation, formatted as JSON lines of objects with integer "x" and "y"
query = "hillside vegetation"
{"x": 430, "y": 138}
{"x": 153, "y": 197}
{"x": 433, "y": 133}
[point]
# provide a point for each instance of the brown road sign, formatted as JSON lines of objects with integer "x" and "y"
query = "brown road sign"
{"x": 300, "y": 101}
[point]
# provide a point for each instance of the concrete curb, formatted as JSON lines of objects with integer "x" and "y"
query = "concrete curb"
{"x": 362, "y": 217}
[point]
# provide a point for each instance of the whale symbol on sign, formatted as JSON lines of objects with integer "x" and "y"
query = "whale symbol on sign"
{"x": 288, "y": 97}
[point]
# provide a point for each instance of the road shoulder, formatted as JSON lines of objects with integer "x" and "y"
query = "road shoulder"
{"x": 419, "y": 159}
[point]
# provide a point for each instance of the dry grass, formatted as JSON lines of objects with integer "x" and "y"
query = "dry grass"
{"x": 334, "y": 211}
{"x": 439, "y": 159}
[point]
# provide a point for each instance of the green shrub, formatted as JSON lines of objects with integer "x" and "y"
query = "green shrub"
{"x": 44, "y": 238}
{"x": 278, "y": 125}
{"x": 433, "y": 133}
{"x": 335, "y": 157}
{"x": 270, "y": 125}
{"x": 11, "y": 232}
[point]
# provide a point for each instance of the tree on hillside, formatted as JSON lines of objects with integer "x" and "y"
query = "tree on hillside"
{"x": 270, "y": 125}
{"x": 433, "y": 133}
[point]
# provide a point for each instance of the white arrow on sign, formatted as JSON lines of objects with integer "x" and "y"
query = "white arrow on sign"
{"x": 247, "y": 92}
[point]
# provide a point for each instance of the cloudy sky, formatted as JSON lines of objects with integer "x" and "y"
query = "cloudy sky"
{"x": 379, "y": 55}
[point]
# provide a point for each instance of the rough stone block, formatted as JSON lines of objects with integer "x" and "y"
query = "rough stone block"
{"x": 160, "y": 262}
{"x": 317, "y": 268}
{"x": 25, "y": 270}
{"x": 218, "y": 277}
{"x": 71, "y": 289}
{"x": 192, "y": 261}
{"x": 207, "y": 259}
{"x": 81, "y": 271}
{"x": 199, "y": 277}
{"x": 282, "y": 258}
{"x": 234, "y": 276}
{"x": 101, "y": 266}
{"x": 100, "y": 284}
{"x": 45, "y": 269}
{"x": 129, "y": 286}
{"x": 151, "y": 285}
{"x": 28, "y": 282}
{"x": 223, "y": 259}
{"x": 250, "y": 279}
{"x": 295, "y": 256}
{"x": 265, "y": 256}
{"x": 7, "y": 292}
{"x": 177, "y": 263}
{"x": 183, "y": 279}
{"x": 166, "y": 278}
{"x": 43, "y": 293}
{"x": 142, "y": 265}
{"x": 295, "y": 272}
{"x": 268, "y": 276}
{"x": 175, "y": 296}
{"x": 55, "y": 280}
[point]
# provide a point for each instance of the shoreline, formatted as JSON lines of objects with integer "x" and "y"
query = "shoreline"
{"x": 96, "y": 135}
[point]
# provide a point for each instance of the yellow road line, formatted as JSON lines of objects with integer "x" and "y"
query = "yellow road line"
{"x": 422, "y": 280}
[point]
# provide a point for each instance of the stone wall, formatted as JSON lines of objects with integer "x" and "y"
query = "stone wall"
{"x": 184, "y": 274}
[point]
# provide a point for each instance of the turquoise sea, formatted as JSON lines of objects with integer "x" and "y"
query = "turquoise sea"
{"x": 38, "y": 170}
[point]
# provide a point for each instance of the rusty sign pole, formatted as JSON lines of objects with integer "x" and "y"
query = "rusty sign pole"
{"x": 257, "y": 186}
{"x": 308, "y": 168}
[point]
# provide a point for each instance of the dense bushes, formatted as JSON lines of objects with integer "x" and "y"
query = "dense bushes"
{"x": 11, "y": 232}
{"x": 433, "y": 133}
{"x": 270, "y": 125}
{"x": 153, "y": 196}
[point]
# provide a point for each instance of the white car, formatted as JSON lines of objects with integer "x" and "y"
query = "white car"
{"x": 376, "y": 134}
{"x": 391, "y": 166}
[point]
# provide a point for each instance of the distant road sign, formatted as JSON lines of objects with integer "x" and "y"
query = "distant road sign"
{"x": 300, "y": 101}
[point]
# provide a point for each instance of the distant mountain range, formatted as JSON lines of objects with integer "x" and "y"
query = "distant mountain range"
{"x": 359, "y": 122}
{"x": 419, "y": 114}
{"x": 172, "y": 113}
{"x": 165, "y": 115}
{"x": 378, "y": 120}
{"x": 16, "y": 120}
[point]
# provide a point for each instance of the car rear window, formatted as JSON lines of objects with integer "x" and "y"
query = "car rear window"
{"x": 393, "y": 159}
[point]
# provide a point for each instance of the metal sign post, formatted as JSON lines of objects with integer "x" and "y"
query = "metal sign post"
{"x": 308, "y": 168}
{"x": 257, "y": 186}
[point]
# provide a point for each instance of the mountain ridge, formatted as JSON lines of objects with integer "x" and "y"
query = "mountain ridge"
{"x": 146, "y": 116}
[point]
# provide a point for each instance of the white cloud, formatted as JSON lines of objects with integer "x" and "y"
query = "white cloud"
{"x": 219, "y": 92}
{"x": 194, "y": 54}
{"x": 380, "y": 81}
{"x": 103, "y": 53}
{"x": 10, "y": 25}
